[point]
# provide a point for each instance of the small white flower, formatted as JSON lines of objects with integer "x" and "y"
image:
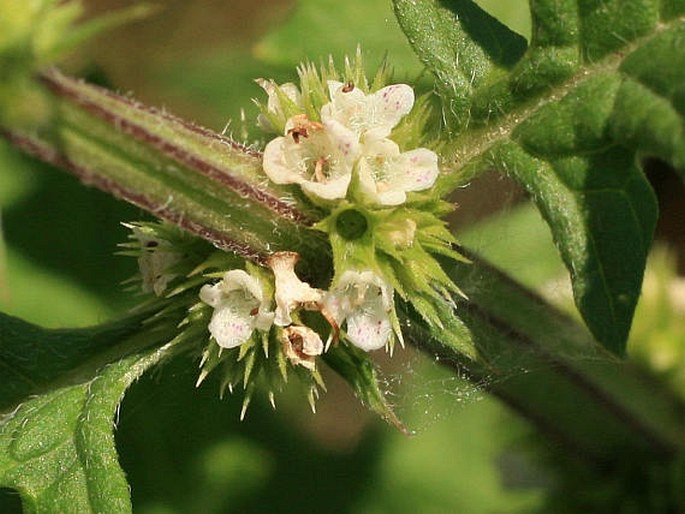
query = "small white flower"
{"x": 291, "y": 293}
{"x": 239, "y": 308}
{"x": 274, "y": 105}
{"x": 317, "y": 156}
{"x": 386, "y": 174}
{"x": 302, "y": 345}
{"x": 155, "y": 261}
{"x": 365, "y": 301}
{"x": 370, "y": 116}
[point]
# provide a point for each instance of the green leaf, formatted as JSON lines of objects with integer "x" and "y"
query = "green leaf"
{"x": 59, "y": 394}
{"x": 32, "y": 357}
{"x": 461, "y": 44}
{"x": 570, "y": 122}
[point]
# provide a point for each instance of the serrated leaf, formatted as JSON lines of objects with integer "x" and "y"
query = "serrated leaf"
{"x": 570, "y": 122}
{"x": 461, "y": 44}
{"x": 59, "y": 394}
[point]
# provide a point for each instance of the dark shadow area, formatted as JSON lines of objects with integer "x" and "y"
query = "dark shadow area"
{"x": 73, "y": 230}
{"x": 10, "y": 502}
{"x": 184, "y": 449}
{"x": 670, "y": 193}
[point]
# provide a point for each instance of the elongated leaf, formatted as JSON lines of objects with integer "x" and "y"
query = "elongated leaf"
{"x": 570, "y": 122}
{"x": 58, "y": 395}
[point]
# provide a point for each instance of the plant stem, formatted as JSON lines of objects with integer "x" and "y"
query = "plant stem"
{"x": 547, "y": 367}
{"x": 540, "y": 362}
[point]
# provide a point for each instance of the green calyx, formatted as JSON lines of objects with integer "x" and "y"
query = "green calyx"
{"x": 351, "y": 224}
{"x": 402, "y": 245}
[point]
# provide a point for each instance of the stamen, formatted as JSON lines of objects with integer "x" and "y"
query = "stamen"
{"x": 319, "y": 174}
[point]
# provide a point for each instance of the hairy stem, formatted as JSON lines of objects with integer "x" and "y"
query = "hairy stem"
{"x": 190, "y": 176}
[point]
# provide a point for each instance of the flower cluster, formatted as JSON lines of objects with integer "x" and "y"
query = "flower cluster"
{"x": 242, "y": 309}
{"x": 347, "y": 152}
{"x": 356, "y": 156}
{"x": 352, "y": 150}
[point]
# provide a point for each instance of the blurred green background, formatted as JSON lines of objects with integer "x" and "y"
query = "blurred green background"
{"x": 184, "y": 449}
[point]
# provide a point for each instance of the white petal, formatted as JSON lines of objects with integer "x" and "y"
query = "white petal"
{"x": 264, "y": 320}
{"x": 230, "y": 325}
{"x": 386, "y": 175}
{"x": 417, "y": 169}
{"x": 365, "y": 300}
{"x": 339, "y": 146}
{"x": 239, "y": 308}
{"x": 369, "y": 327}
{"x": 211, "y": 294}
{"x": 345, "y": 104}
{"x": 331, "y": 190}
{"x": 333, "y": 87}
{"x": 335, "y": 304}
{"x": 369, "y": 331}
{"x": 238, "y": 279}
{"x": 274, "y": 103}
{"x": 292, "y": 92}
{"x": 375, "y": 170}
{"x": 276, "y": 164}
{"x": 391, "y": 198}
{"x": 380, "y": 147}
{"x": 387, "y": 107}
{"x": 343, "y": 141}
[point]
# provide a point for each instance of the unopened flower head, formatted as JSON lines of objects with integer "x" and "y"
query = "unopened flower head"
{"x": 156, "y": 260}
{"x": 280, "y": 103}
{"x": 302, "y": 345}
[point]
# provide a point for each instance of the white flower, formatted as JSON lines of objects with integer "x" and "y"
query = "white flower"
{"x": 386, "y": 174}
{"x": 239, "y": 308}
{"x": 302, "y": 345}
{"x": 370, "y": 116}
{"x": 365, "y": 301}
{"x": 317, "y": 156}
{"x": 274, "y": 105}
{"x": 291, "y": 293}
